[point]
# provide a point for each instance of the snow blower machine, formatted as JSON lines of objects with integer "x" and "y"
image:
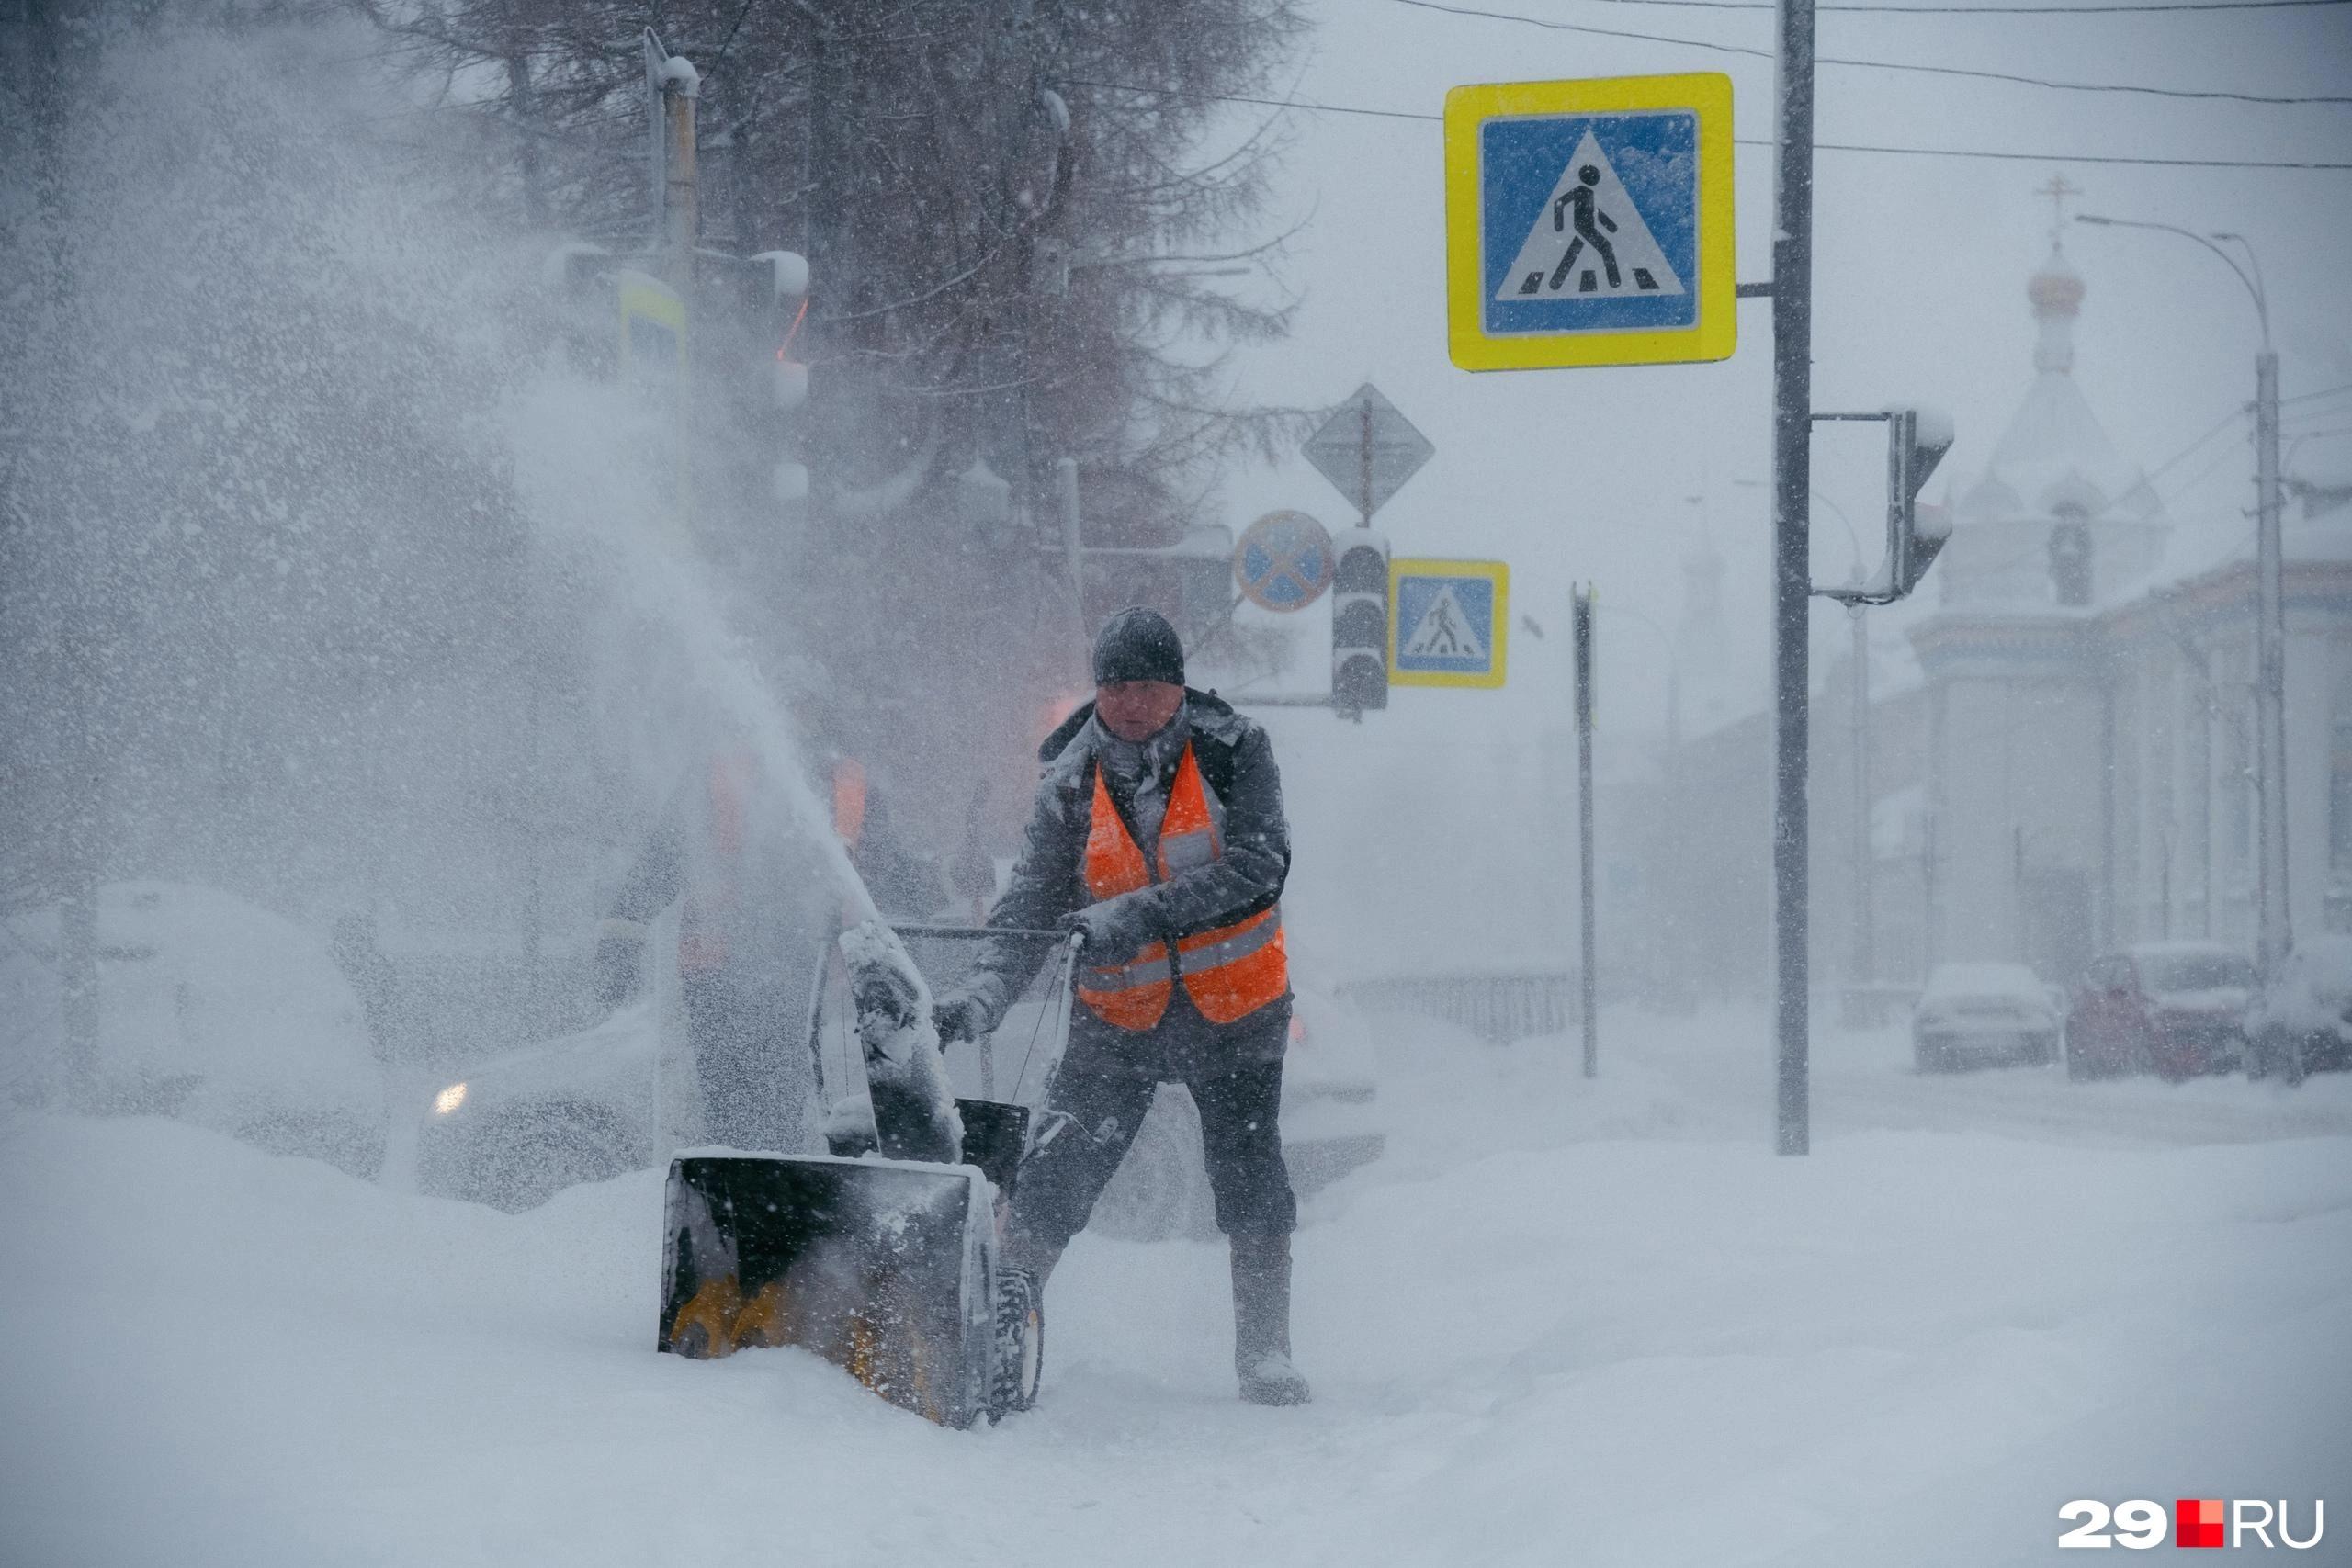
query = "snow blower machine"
{"x": 881, "y": 1254}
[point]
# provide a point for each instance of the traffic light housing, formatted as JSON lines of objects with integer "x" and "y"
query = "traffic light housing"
{"x": 787, "y": 287}
{"x": 1360, "y": 623}
{"x": 1917, "y": 440}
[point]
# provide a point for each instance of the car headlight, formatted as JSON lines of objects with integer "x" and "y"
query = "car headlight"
{"x": 448, "y": 1099}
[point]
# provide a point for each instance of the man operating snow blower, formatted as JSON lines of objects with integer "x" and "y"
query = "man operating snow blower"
{"x": 1158, "y": 836}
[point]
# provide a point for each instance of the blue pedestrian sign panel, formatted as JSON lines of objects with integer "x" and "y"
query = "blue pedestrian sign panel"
{"x": 1284, "y": 561}
{"x": 1590, "y": 222}
{"x": 1448, "y": 622}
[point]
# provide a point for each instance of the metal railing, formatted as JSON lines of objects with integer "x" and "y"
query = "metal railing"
{"x": 1497, "y": 1009}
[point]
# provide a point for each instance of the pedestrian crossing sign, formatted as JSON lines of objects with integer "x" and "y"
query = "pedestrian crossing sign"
{"x": 1590, "y": 222}
{"x": 1448, "y": 622}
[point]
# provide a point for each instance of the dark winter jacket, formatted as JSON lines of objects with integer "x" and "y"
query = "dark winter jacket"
{"x": 1237, "y": 761}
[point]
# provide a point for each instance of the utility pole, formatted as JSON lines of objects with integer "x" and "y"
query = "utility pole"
{"x": 1865, "y": 957}
{"x": 77, "y": 870}
{"x": 673, "y": 87}
{"x": 1791, "y": 569}
{"x": 1930, "y": 926}
{"x": 1583, "y": 639}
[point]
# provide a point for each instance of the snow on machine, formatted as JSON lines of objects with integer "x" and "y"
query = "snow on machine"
{"x": 880, "y": 1254}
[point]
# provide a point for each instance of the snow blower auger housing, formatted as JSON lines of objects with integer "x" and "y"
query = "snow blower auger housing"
{"x": 881, "y": 1254}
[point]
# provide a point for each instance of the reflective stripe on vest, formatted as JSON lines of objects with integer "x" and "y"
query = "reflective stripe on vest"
{"x": 1229, "y": 972}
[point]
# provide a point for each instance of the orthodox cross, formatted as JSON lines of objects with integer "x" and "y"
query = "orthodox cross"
{"x": 2058, "y": 190}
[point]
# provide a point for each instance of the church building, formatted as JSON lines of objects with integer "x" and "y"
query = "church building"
{"x": 2057, "y": 744}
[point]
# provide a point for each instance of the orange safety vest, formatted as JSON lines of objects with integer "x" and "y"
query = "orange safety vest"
{"x": 1231, "y": 972}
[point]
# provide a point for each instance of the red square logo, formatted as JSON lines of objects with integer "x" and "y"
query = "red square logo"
{"x": 2197, "y": 1521}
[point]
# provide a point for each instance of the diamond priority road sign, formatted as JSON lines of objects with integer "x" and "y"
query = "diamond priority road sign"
{"x": 1367, "y": 450}
{"x": 1590, "y": 222}
{"x": 1448, "y": 622}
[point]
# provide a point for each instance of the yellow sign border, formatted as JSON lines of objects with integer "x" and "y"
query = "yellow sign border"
{"x": 1707, "y": 94}
{"x": 1495, "y": 571}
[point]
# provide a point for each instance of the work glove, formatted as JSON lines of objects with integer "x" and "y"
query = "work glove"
{"x": 1106, "y": 938}
{"x": 956, "y": 1018}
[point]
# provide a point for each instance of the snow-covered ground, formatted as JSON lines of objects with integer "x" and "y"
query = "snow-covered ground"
{"x": 1561, "y": 1322}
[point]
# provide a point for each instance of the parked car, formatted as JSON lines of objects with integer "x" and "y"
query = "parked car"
{"x": 2301, "y": 1019}
{"x": 211, "y": 1010}
{"x": 1977, "y": 1015}
{"x": 523, "y": 1125}
{"x": 2176, "y": 1009}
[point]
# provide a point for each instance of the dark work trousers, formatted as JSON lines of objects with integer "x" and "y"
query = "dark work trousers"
{"x": 1099, "y": 1097}
{"x": 753, "y": 1069}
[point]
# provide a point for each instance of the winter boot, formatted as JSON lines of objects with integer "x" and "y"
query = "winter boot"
{"x": 1262, "y": 1321}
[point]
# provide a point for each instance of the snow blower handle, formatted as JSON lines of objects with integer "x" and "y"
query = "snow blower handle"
{"x": 1072, "y": 926}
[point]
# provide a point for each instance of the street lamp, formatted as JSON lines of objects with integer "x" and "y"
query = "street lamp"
{"x": 2276, "y": 935}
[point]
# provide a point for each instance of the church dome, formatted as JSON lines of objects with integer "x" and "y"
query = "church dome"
{"x": 2057, "y": 289}
{"x": 2053, "y": 468}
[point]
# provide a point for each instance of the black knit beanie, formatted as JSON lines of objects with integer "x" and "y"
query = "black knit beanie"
{"x": 1137, "y": 644}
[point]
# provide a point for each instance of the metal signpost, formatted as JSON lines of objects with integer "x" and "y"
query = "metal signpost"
{"x": 1583, "y": 638}
{"x": 1368, "y": 450}
{"x": 1590, "y": 222}
{"x": 1448, "y": 622}
{"x": 1284, "y": 561}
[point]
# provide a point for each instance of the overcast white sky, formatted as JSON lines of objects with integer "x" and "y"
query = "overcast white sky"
{"x": 1920, "y": 273}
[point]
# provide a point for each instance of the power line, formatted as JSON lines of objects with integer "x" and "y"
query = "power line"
{"x": 2207, "y": 472}
{"x": 2058, "y": 157}
{"x": 2190, "y": 450}
{"x": 1742, "y": 141}
{"x": 1239, "y": 99}
{"x": 2126, "y": 8}
{"x": 1875, "y": 64}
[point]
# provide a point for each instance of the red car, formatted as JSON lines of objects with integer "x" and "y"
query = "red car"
{"x": 2177, "y": 1009}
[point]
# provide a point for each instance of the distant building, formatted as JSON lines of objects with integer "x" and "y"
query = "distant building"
{"x": 2060, "y": 726}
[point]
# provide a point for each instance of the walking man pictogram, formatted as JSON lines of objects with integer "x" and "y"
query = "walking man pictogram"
{"x": 1444, "y": 640}
{"x": 1579, "y": 197}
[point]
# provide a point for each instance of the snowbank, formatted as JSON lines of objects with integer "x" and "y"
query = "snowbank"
{"x": 1562, "y": 1321}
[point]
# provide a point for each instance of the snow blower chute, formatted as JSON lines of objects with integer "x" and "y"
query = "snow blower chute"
{"x": 880, "y": 1255}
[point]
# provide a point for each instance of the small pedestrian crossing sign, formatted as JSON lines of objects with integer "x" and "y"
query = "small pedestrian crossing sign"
{"x": 1590, "y": 222}
{"x": 1447, "y": 622}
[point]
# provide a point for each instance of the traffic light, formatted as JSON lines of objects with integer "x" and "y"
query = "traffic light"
{"x": 1360, "y": 623}
{"x": 1917, "y": 440}
{"x": 789, "y": 290}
